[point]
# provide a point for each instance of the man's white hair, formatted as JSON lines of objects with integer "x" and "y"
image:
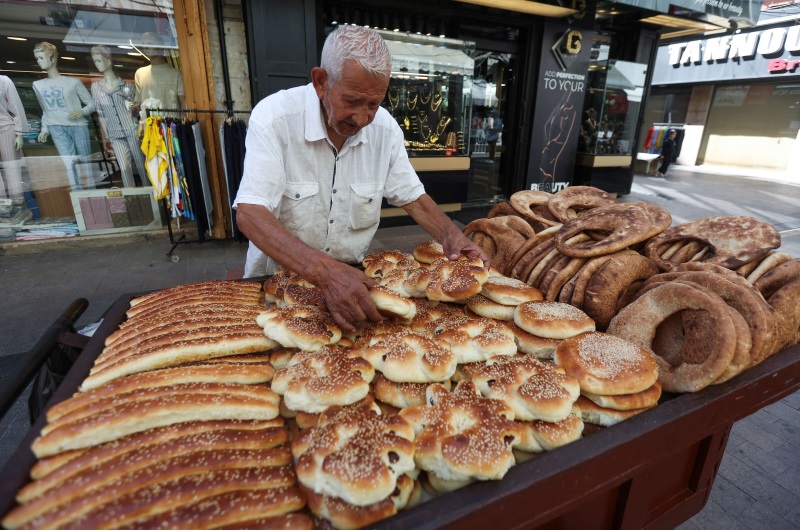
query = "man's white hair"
{"x": 363, "y": 45}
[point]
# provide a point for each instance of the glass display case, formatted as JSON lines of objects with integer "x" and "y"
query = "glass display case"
{"x": 430, "y": 93}
{"x": 611, "y": 108}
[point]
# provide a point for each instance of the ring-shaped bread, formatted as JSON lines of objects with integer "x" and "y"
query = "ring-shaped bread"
{"x": 565, "y": 204}
{"x": 639, "y": 321}
{"x": 299, "y": 326}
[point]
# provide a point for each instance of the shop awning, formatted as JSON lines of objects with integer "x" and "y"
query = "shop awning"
{"x": 428, "y": 59}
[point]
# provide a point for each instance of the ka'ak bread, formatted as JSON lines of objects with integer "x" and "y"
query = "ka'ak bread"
{"x": 401, "y": 395}
{"x": 411, "y": 358}
{"x": 210, "y": 286}
{"x": 521, "y": 256}
{"x": 199, "y": 298}
{"x": 391, "y": 304}
{"x": 118, "y": 399}
{"x": 177, "y": 486}
{"x": 315, "y": 381}
{"x": 131, "y": 417}
{"x": 592, "y": 413}
{"x": 613, "y": 286}
{"x": 534, "y": 390}
{"x": 410, "y": 283}
{"x": 625, "y": 224}
{"x": 183, "y": 318}
{"x": 639, "y": 400}
{"x": 355, "y": 455}
{"x": 639, "y": 321}
{"x": 532, "y": 205}
{"x": 734, "y": 240}
{"x": 139, "y": 469}
{"x": 452, "y": 281}
{"x": 573, "y": 292}
{"x": 571, "y": 202}
{"x": 539, "y": 347}
{"x": 179, "y": 352}
{"x": 552, "y": 320}
{"x": 739, "y": 295}
{"x": 787, "y": 315}
{"x": 483, "y": 307}
{"x": 479, "y": 339}
{"x": 509, "y": 291}
{"x": 345, "y": 516}
{"x": 304, "y": 327}
{"x": 506, "y": 233}
{"x": 264, "y": 509}
{"x": 428, "y": 252}
{"x": 379, "y": 264}
{"x": 224, "y": 373}
{"x": 774, "y": 279}
{"x": 462, "y": 436}
{"x": 607, "y": 365}
{"x": 103, "y": 463}
{"x": 538, "y": 436}
{"x": 772, "y": 260}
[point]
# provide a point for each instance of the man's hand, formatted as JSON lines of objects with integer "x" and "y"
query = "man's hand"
{"x": 457, "y": 244}
{"x": 346, "y": 291}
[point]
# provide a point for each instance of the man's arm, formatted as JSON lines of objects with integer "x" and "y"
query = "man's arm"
{"x": 345, "y": 288}
{"x": 430, "y": 217}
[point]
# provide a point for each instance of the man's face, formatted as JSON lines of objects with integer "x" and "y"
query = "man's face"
{"x": 43, "y": 59}
{"x": 351, "y": 102}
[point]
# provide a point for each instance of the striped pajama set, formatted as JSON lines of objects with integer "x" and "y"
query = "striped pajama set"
{"x": 12, "y": 124}
{"x": 116, "y": 119}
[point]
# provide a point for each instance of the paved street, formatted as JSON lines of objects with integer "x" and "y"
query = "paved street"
{"x": 759, "y": 481}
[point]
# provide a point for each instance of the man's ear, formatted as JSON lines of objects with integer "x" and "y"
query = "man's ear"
{"x": 319, "y": 77}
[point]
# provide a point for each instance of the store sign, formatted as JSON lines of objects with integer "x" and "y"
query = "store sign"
{"x": 746, "y": 55}
{"x": 559, "y": 100}
{"x": 743, "y": 10}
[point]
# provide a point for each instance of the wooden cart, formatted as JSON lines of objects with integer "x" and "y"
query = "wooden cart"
{"x": 652, "y": 471}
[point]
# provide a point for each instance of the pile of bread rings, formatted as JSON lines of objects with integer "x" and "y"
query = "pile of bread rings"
{"x": 709, "y": 297}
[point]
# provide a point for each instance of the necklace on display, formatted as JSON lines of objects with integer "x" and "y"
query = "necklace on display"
{"x": 440, "y": 128}
{"x": 412, "y": 101}
{"x": 423, "y": 118}
{"x": 437, "y": 101}
{"x": 424, "y": 100}
{"x": 425, "y": 137}
{"x": 393, "y": 101}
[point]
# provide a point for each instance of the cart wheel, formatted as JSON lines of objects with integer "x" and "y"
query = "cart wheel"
{"x": 175, "y": 258}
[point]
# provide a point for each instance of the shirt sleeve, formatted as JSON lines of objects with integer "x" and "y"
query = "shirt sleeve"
{"x": 44, "y": 121}
{"x": 85, "y": 98}
{"x": 263, "y": 176}
{"x": 402, "y": 184}
{"x": 14, "y": 106}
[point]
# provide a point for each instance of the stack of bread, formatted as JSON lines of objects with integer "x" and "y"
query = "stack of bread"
{"x": 599, "y": 255}
{"x": 175, "y": 424}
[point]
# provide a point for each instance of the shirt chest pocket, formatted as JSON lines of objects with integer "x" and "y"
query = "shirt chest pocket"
{"x": 298, "y": 203}
{"x": 365, "y": 208}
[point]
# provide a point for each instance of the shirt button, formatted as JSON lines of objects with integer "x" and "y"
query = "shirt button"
{"x": 334, "y": 191}
{"x": 370, "y": 200}
{"x": 327, "y": 249}
{"x": 296, "y": 195}
{"x": 331, "y": 221}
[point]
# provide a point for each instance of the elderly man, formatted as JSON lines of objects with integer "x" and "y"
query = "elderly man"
{"x": 319, "y": 160}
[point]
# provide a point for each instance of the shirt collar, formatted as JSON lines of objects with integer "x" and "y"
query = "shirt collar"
{"x": 315, "y": 124}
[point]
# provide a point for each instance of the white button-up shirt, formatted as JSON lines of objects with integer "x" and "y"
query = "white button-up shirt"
{"x": 329, "y": 200}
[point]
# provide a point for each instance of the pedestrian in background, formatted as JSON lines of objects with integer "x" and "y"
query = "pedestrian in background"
{"x": 669, "y": 152}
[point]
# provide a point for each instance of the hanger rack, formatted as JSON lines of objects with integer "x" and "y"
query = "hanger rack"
{"x": 182, "y": 239}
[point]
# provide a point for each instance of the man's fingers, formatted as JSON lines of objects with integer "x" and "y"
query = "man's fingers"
{"x": 342, "y": 323}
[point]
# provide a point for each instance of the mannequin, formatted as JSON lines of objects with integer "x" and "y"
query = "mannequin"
{"x": 13, "y": 125}
{"x": 158, "y": 85}
{"x": 63, "y": 116}
{"x": 114, "y": 98}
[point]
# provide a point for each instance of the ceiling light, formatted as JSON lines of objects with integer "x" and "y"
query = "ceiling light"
{"x": 125, "y": 47}
{"x": 68, "y": 58}
{"x": 136, "y": 54}
{"x": 11, "y": 62}
{"x": 119, "y": 66}
{"x": 525, "y": 6}
{"x": 16, "y": 38}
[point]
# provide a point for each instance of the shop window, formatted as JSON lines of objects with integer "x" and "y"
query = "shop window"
{"x": 611, "y": 107}
{"x": 76, "y": 81}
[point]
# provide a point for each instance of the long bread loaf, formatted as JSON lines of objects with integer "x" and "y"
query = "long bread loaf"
{"x": 130, "y": 418}
{"x": 211, "y": 285}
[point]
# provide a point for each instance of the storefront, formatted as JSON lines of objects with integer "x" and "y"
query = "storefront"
{"x": 735, "y": 97}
